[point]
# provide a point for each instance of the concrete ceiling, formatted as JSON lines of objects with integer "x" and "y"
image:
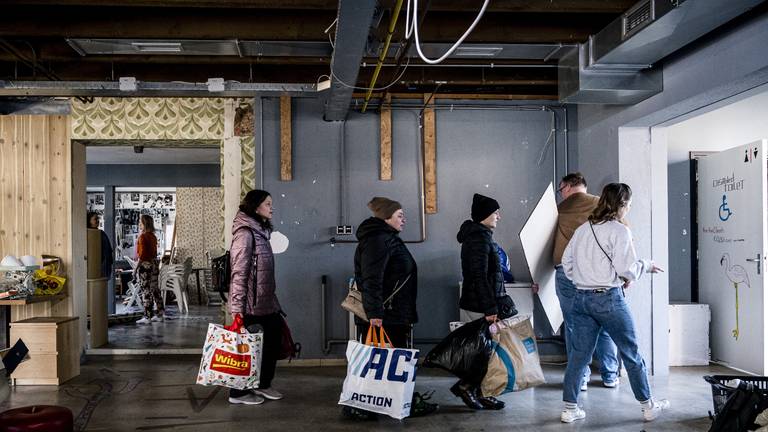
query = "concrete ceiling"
{"x": 152, "y": 155}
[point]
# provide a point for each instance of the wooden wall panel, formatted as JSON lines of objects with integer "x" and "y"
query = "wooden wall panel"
{"x": 430, "y": 157}
{"x": 385, "y": 149}
{"x": 286, "y": 169}
{"x": 35, "y": 190}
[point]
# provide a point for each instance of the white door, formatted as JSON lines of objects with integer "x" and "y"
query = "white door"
{"x": 732, "y": 246}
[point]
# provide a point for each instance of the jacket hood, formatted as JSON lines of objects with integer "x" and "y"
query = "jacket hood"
{"x": 243, "y": 220}
{"x": 373, "y": 226}
{"x": 471, "y": 228}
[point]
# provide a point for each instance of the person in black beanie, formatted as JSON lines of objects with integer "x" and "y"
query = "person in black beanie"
{"x": 483, "y": 294}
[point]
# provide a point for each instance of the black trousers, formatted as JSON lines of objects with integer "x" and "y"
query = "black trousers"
{"x": 272, "y": 326}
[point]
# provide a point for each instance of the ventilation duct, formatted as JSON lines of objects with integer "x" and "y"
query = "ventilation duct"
{"x": 617, "y": 65}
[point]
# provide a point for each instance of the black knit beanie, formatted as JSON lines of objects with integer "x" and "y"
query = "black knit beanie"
{"x": 482, "y": 207}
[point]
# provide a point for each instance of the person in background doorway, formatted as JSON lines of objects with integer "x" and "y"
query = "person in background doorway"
{"x": 387, "y": 276}
{"x": 107, "y": 254}
{"x": 573, "y": 211}
{"x": 483, "y": 294}
{"x": 600, "y": 259}
{"x": 148, "y": 270}
{"x": 252, "y": 289}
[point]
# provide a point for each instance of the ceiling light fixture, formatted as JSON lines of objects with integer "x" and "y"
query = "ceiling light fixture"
{"x": 157, "y": 47}
{"x": 478, "y": 51}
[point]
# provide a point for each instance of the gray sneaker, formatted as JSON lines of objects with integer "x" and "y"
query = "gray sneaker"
{"x": 268, "y": 393}
{"x": 248, "y": 399}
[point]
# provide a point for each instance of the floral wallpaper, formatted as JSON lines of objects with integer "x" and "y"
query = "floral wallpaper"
{"x": 198, "y": 227}
{"x": 148, "y": 118}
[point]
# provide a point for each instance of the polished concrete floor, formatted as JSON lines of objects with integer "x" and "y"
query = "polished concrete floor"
{"x": 177, "y": 331}
{"x": 158, "y": 393}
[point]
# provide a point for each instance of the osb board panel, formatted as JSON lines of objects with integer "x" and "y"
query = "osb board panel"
{"x": 430, "y": 158}
{"x": 35, "y": 189}
{"x": 385, "y": 149}
{"x": 148, "y": 118}
{"x": 286, "y": 168}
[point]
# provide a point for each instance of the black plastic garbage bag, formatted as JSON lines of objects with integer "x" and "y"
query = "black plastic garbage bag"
{"x": 740, "y": 410}
{"x": 465, "y": 352}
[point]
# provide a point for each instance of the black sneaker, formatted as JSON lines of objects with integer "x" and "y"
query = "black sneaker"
{"x": 491, "y": 403}
{"x": 357, "y": 414}
{"x": 467, "y": 396}
{"x": 419, "y": 405}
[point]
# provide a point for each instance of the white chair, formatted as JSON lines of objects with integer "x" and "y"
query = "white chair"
{"x": 132, "y": 294}
{"x": 173, "y": 278}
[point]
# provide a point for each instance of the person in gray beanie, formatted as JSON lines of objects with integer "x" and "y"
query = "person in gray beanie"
{"x": 482, "y": 294}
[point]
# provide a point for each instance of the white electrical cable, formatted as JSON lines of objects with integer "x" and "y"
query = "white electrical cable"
{"x": 395, "y": 81}
{"x": 412, "y": 27}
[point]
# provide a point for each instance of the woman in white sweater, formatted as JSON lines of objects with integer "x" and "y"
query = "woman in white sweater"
{"x": 601, "y": 261}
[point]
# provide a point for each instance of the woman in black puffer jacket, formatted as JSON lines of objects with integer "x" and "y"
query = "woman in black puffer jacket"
{"x": 483, "y": 293}
{"x": 385, "y": 273}
{"x": 382, "y": 265}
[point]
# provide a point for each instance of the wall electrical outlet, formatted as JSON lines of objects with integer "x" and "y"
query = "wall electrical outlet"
{"x": 343, "y": 229}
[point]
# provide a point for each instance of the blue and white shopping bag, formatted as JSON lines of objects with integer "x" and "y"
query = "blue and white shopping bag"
{"x": 379, "y": 378}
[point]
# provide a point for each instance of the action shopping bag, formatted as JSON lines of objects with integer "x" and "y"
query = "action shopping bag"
{"x": 514, "y": 364}
{"x": 379, "y": 378}
{"x": 231, "y": 357}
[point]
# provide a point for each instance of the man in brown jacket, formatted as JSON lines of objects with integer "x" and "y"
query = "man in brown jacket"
{"x": 573, "y": 211}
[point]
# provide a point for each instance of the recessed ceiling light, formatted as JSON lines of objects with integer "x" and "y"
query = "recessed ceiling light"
{"x": 478, "y": 51}
{"x": 157, "y": 47}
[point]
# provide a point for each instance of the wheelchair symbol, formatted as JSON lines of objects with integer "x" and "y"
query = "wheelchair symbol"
{"x": 724, "y": 212}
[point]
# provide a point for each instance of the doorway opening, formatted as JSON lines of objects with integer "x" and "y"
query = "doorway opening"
{"x": 178, "y": 188}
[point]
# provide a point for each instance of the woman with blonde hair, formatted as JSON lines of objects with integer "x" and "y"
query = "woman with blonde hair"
{"x": 148, "y": 270}
{"x": 600, "y": 259}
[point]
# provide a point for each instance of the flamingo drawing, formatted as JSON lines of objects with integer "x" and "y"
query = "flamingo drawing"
{"x": 736, "y": 274}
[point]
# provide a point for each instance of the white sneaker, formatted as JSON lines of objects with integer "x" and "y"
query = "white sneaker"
{"x": 583, "y": 386}
{"x": 268, "y": 393}
{"x": 657, "y": 406}
{"x": 611, "y": 384}
{"x": 158, "y": 318}
{"x": 571, "y": 415}
{"x": 144, "y": 320}
{"x": 248, "y": 399}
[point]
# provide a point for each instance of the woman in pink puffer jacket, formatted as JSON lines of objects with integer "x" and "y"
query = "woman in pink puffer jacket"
{"x": 252, "y": 289}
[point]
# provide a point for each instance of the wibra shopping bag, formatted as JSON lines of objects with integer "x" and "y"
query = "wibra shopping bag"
{"x": 379, "y": 378}
{"x": 231, "y": 358}
{"x": 514, "y": 364}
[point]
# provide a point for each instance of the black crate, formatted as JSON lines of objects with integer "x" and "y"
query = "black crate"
{"x": 720, "y": 393}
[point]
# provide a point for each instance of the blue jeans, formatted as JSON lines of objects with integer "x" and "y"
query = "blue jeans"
{"x": 605, "y": 350}
{"x": 608, "y": 310}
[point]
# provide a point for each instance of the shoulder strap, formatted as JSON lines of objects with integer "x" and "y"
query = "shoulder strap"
{"x": 398, "y": 287}
{"x": 599, "y": 245}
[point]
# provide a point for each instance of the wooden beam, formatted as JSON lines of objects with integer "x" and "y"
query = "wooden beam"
{"x": 385, "y": 150}
{"x": 430, "y": 156}
{"x": 286, "y": 169}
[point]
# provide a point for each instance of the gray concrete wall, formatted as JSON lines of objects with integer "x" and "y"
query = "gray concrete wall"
{"x": 495, "y": 153}
{"x": 190, "y": 175}
{"x": 729, "y": 61}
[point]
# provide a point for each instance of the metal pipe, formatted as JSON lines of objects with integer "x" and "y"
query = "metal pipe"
{"x": 327, "y": 343}
{"x": 383, "y": 55}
